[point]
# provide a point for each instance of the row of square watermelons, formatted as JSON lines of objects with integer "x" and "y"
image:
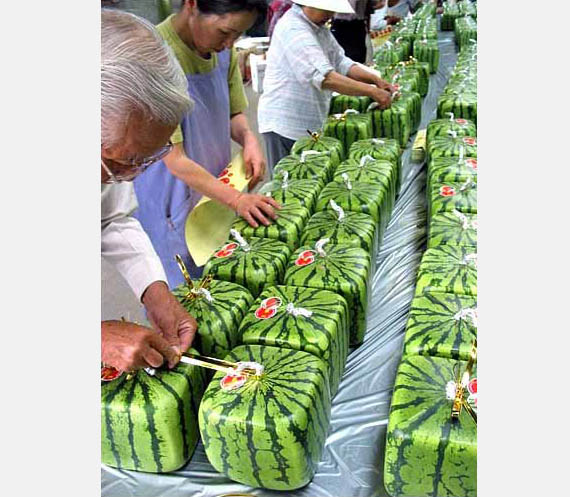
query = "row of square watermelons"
{"x": 278, "y": 296}
{"x": 429, "y": 451}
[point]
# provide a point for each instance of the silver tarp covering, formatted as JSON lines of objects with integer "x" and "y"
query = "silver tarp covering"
{"x": 353, "y": 459}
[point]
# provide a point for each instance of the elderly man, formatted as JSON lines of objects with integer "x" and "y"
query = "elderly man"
{"x": 143, "y": 98}
{"x": 305, "y": 64}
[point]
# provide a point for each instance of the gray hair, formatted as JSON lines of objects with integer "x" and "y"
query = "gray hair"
{"x": 140, "y": 73}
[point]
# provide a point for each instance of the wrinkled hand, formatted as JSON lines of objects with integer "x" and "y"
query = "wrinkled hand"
{"x": 252, "y": 207}
{"x": 384, "y": 85}
{"x": 383, "y": 98}
{"x": 169, "y": 318}
{"x": 129, "y": 346}
{"x": 254, "y": 160}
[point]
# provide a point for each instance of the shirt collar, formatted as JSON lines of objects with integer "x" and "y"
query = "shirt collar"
{"x": 299, "y": 11}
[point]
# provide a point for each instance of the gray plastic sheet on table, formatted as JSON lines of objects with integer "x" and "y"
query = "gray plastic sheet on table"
{"x": 352, "y": 463}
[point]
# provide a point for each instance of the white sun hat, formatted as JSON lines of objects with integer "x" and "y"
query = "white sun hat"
{"x": 338, "y": 6}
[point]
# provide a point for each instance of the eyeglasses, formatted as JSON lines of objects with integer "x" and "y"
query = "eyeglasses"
{"x": 135, "y": 166}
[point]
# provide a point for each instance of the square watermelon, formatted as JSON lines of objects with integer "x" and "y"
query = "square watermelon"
{"x": 309, "y": 165}
{"x": 453, "y": 228}
{"x": 342, "y": 269}
{"x": 296, "y": 191}
{"x": 315, "y": 321}
{"x": 255, "y": 264}
{"x": 452, "y": 196}
{"x": 219, "y": 307}
{"x": 321, "y": 143}
{"x": 349, "y": 127}
{"x": 427, "y": 451}
{"x": 270, "y": 431}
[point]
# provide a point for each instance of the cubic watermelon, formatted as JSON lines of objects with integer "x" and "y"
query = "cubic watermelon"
{"x": 287, "y": 228}
{"x": 427, "y": 452}
{"x": 297, "y": 191}
{"x": 442, "y": 325}
{"x": 449, "y": 197}
{"x": 340, "y": 103}
{"x": 342, "y": 269}
{"x": 427, "y": 51}
{"x": 150, "y": 423}
{"x": 379, "y": 148}
{"x": 394, "y": 122}
{"x": 252, "y": 264}
{"x": 452, "y": 146}
{"x": 309, "y": 165}
{"x": 314, "y": 321}
{"x": 219, "y": 307}
{"x": 349, "y": 127}
{"x": 270, "y": 432}
{"x": 452, "y": 228}
{"x": 441, "y": 127}
{"x": 320, "y": 143}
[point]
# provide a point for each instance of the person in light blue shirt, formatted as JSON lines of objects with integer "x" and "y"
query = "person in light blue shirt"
{"x": 305, "y": 64}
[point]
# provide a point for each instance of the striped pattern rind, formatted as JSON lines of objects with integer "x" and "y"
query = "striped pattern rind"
{"x": 428, "y": 453}
{"x": 448, "y": 269}
{"x": 353, "y": 128}
{"x": 464, "y": 201}
{"x": 345, "y": 270}
{"x": 340, "y": 103}
{"x": 269, "y": 433}
{"x": 447, "y": 228}
{"x": 394, "y": 122}
{"x": 381, "y": 149}
{"x": 150, "y": 423}
{"x": 220, "y": 319}
{"x": 287, "y": 228}
{"x": 319, "y": 167}
{"x": 442, "y": 127}
{"x": 323, "y": 144}
{"x": 264, "y": 264}
{"x": 372, "y": 199}
{"x": 427, "y": 51}
{"x": 434, "y": 327}
{"x": 451, "y": 170}
{"x": 413, "y": 102}
{"x": 298, "y": 191}
{"x": 324, "y": 334}
{"x": 446, "y": 146}
{"x": 462, "y": 105}
{"x": 356, "y": 229}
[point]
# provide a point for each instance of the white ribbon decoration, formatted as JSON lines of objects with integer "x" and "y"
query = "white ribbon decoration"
{"x": 452, "y": 133}
{"x": 346, "y": 181}
{"x": 451, "y": 116}
{"x": 450, "y": 390}
{"x": 249, "y": 365}
{"x": 463, "y": 218}
{"x": 365, "y": 159}
{"x": 470, "y": 313}
{"x": 377, "y": 141}
{"x": 461, "y": 152}
{"x": 298, "y": 311}
{"x": 202, "y": 291}
{"x": 350, "y": 111}
{"x": 285, "y": 182}
{"x": 338, "y": 209}
{"x": 372, "y": 106}
{"x": 469, "y": 258}
{"x": 305, "y": 153}
{"x": 464, "y": 186}
{"x": 319, "y": 246}
{"x": 243, "y": 244}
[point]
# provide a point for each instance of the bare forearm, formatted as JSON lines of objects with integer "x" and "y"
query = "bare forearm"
{"x": 361, "y": 73}
{"x": 197, "y": 178}
{"x": 239, "y": 129}
{"x": 347, "y": 86}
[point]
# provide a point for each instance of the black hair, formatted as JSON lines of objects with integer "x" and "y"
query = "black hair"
{"x": 221, "y": 7}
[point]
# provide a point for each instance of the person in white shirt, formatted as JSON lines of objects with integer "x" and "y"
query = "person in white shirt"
{"x": 305, "y": 64}
{"x": 143, "y": 98}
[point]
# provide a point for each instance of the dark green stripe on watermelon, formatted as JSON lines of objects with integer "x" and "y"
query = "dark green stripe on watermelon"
{"x": 323, "y": 334}
{"x": 449, "y": 228}
{"x": 349, "y": 128}
{"x": 346, "y": 271}
{"x": 451, "y": 197}
{"x": 448, "y": 269}
{"x": 287, "y": 228}
{"x": 321, "y": 144}
{"x": 462, "y": 105}
{"x": 427, "y": 51}
{"x": 218, "y": 320}
{"x": 269, "y": 433}
{"x": 340, "y": 103}
{"x": 428, "y": 453}
{"x": 318, "y": 167}
{"x": 297, "y": 191}
{"x": 146, "y": 422}
{"x": 437, "y": 327}
{"x": 264, "y": 264}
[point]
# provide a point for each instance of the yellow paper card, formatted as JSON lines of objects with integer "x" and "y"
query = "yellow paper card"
{"x": 208, "y": 224}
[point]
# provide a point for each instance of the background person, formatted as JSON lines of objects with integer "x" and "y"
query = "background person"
{"x": 305, "y": 64}
{"x": 140, "y": 79}
{"x": 201, "y": 36}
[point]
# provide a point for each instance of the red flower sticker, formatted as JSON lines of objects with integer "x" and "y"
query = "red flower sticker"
{"x": 461, "y": 122}
{"x": 268, "y": 308}
{"x": 472, "y": 386}
{"x": 469, "y": 140}
{"x": 226, "y": 250}
{"x": 231, "y": 382}
{"x": 225, "y": 180}
{"x": 223, "y": 173}
{"x": 472, "y": 163}
{"x": 109, "y": 373}
{"x": 305, "y": 258}
{"x": 447, "y": 191}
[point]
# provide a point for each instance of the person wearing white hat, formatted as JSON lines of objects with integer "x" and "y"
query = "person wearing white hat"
{"x": 305, "y": 64}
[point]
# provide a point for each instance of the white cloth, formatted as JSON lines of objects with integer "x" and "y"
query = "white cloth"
{"x": 124, "y": 243}
{"x": 300, "y": 56}
{"x": 377, "y": 21}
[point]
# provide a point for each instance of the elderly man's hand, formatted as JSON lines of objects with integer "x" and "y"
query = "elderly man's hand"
{"x": 254, "y": 207}
{"x": 254, "y": 160}
{"x": 384, "y": 85}
{"x": 169, "y": 318}
{"x": 383, "y": 97}
{"x": 128, "y": 347}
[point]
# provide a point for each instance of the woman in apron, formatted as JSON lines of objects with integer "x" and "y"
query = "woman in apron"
{"x": 201, "y": 36}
